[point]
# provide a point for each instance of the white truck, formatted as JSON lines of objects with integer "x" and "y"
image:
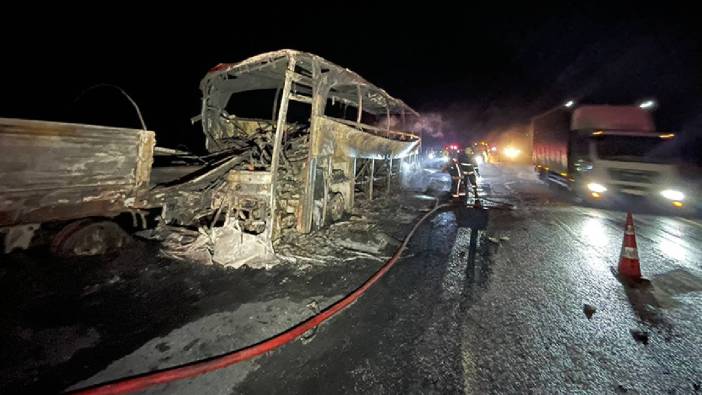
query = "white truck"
{"x": 608, "y": 153}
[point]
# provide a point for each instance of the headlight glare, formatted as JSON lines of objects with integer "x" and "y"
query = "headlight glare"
{"x": 672, "y": 194}
{"x": 595, "y": 187}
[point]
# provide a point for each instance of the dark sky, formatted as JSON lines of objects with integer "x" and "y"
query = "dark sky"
{"x": 479, "y": 70}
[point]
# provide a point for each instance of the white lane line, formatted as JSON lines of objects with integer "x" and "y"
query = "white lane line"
{"x": 689, "y": 221}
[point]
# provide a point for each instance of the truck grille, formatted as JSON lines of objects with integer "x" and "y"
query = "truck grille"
{"x": 635, "y": 190}
{"x": 630, "y": 175}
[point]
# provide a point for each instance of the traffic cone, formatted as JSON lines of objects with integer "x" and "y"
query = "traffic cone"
{"x": 629, "y": 265}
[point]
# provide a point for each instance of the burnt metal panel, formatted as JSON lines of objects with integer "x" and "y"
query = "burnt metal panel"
{"x": 56, "y": 169}
{"x": 250, "y": 183}
{"x": 346, "y": 141}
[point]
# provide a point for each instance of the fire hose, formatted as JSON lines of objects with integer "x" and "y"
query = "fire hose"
{"x": 195, "y": 368}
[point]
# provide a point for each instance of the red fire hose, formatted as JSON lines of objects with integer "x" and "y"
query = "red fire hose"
{"x": 191, "y": 369}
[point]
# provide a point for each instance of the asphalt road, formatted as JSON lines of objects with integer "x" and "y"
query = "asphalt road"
{"x": 508, "y": 318}
{"x": 513, "y": 320}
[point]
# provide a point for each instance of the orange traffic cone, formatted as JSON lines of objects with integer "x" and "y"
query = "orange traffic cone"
{"x": 629, "y": 258}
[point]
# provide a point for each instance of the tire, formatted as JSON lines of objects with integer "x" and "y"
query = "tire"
{"x": 89, "y": 237}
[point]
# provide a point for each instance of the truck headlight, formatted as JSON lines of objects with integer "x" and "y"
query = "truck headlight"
{"x": 595, "y": 187}
{"x": 672, "y": 194}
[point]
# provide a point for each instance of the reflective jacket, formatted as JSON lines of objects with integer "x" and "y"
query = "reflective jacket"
{"x": 465, "y": 166}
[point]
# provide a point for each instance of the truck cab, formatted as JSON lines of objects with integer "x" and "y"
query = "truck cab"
{"x": 608, "y": 153}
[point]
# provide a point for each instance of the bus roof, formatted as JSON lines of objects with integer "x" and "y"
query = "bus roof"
{"x": 267, "y": 71}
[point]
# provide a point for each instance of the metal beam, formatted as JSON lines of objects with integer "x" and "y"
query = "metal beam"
{"x": 352, "y": 187}
{"x": 318, "y": 101}
{"x": 360, "y": 105}
{"x": 389, "y": 175}
{"x": 387, "y": 118}
{"x": 275, "y": 103}
{"x": 327, "y": 176}
{"x": 300, "y": 98}
{"x": 370, "y": 179}
{"x": 279, "y": 130}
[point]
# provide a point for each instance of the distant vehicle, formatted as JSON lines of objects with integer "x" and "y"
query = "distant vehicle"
{"x": 451, "y": 150}
{"x": 481, "y": 152}
{"x": 607, "y": 153}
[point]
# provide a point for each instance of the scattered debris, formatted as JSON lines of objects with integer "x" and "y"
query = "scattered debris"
{"x": 493, "y": 240}
{"x": 589, "y": 310}
{"x": 372, "y": 243}
{"x": 358, "y": 238}
{"x": 309, "y": 335}
{"x": 313, "y": 306}
{"x": 184, "y": 244}
{"x": 19, "y": 237}
{"x": 639, "y": 335}
{"x": 504, "y": 238}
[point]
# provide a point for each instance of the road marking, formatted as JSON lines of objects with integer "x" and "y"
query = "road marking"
{"x": 691, "y": 222}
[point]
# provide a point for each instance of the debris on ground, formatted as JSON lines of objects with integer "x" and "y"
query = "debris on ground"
{"x": 344, "y": 242}
{"x": 639, "y": 335}
{"x": 181, "y": 244}
{"x": 359, "y": 237}
{"x": 313, "y": 306}
{"x": 589, "y": 310}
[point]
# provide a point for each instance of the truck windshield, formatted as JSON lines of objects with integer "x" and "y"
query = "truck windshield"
{"x": 633, "y": 149}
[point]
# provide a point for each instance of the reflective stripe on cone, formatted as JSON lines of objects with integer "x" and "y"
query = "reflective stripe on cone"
{"x": 629, "y": 265}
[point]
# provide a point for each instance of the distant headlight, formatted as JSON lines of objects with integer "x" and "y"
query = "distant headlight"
{"x": 512, "y": 152}
{"x": 479, "y": 159}
{"x": 431, "y": 155}
{"x": 672, "y": 194}
{"x": 595, "y": 187}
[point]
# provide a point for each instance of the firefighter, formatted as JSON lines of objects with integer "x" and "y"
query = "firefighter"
{"x": 454, "y": 170}
{"x": 463, "y": 173}
{"x": 469, "y": 171}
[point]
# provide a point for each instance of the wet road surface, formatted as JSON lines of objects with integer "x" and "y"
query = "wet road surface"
{"x": 513, "y": 320}
{"x": 512, "y": 317}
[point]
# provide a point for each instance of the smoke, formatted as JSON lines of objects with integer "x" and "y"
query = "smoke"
{"x": 428, "y": 124}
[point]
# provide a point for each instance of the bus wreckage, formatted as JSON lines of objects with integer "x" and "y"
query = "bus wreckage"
{"x": 294, "y": 165}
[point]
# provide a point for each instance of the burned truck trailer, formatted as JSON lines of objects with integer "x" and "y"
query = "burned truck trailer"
{"x": 262, "y": 177}
{"x": 64, "y": 173}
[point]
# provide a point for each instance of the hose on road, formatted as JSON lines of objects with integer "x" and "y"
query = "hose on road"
{"x": 195, "y": 368}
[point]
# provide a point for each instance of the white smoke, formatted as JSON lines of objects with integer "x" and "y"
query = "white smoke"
{"x": 428, "y": 124}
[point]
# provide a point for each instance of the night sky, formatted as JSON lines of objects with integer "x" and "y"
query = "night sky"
{"x": 479, "y": 71}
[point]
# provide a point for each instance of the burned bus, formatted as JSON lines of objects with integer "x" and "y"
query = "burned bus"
{"x": 294, "y": 164}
